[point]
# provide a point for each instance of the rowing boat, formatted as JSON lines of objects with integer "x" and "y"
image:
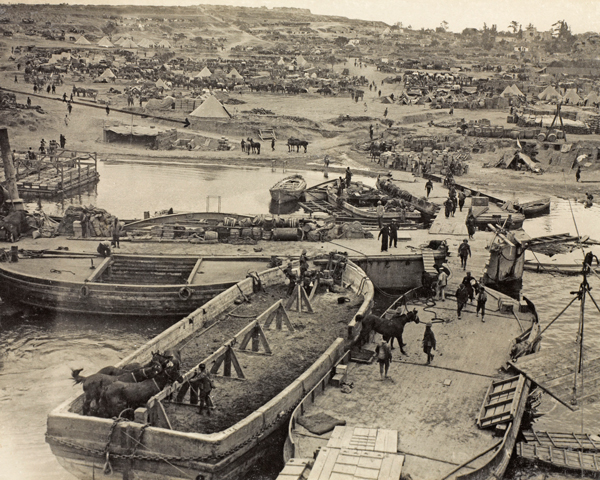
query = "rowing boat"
{"x": 167, "y": 438}
{"x": 144, "y": 285}
{"x": 369, "y": 213}
{"x": 288, "y": 189}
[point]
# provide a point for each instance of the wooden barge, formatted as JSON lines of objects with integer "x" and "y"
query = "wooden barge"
{"x": 159, "y": 446}
{"x": 58, "y": 174}
{"x": 132, "y": 285}
{"x": 433, "y": 407}
{"x": 289, "y": 189}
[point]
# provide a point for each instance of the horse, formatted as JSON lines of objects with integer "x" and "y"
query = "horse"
{"x": 119, "y": 396}
{"x": 388, "y": 328}
{"x": 94, "y": 384}
{"x": 255, "y": 146}
{"x": 157, "y": 359}
{"x": 291, "y": 143}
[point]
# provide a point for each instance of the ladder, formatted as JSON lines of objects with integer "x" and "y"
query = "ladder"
{"x": 428, "y": 261}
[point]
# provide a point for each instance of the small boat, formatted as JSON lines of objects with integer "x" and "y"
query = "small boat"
{"x": 188, "y": 220}
{"x": 533, "y": 208}
{"x": 289, "y": 189}
{"x": 421, "y": 204}
{"x": 369, "y": 213}
{"x": 168, "y": 439}
{"x": 165, "y": 285}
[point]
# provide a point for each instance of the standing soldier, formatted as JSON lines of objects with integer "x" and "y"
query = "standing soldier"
{"x": 462, "y": 297}
{"x": 428, "y": 342}
{"x": 384, "y": 235}
{"x": 481, "y": 299}
{"x": 291, "y": 276}
{"x": 273, "y": 144}
{"x": 380, "y": 211}
{"x": 464, "y": 251}
{"x": 461, "y": 200}
{"x": 204, "y": 385}
{"x": 348, "y": 177}
{"x": 429, "y": 187}
{"x": 303, "y": 263}
{"x": 442, "y": 283}
{"x": 393, "y": 229}
{"x": 384, "y": 357}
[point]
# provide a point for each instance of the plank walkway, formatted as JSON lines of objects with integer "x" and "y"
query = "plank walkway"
{"x": 454, "y": 225}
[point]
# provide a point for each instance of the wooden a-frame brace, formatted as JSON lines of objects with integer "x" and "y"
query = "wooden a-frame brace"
{"x": 276, "y": 312}
{"x": 300, "y": 299}
{"x": 228, "y": 358}
{"x": 258, "y": 337}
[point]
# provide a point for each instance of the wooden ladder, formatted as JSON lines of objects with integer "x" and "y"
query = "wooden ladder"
{"x": 428, "y": 261}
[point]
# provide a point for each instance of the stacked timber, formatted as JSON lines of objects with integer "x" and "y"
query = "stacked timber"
{"x": 95, "y": 222}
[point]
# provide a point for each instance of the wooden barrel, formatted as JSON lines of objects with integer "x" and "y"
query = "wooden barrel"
{"x": 256, "y": 233}
{"x": 510, "y": 119}
{"x": 486, "y": 132}
{"x": 477, "y": 131}
{"x": 246, "y": 232}
{"x": 268, "y": 223}
{"x": 498, "y": 132}
{"x": 211, "y": 236}
{"x": 285, "y": 234}
{"x": 267, "y": 234}
{"x": 560, "y": 134}
{"x": 291, "y": 223}
{"x": 541, "y": 136}
{"x": 551, "y": 136}
{"x": 234, "y": 233}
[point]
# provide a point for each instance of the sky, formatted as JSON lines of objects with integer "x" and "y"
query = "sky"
{"x": 581, "y": 15}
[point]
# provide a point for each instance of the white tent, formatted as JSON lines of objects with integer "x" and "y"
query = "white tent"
{"x": 146, "y": 43}
{"x": 108, "y": 74}
{"x": 281, "y": 62}
{"x": 235, "y": 74}
{"x": 128, "y": 43}
{"x": 161, "y": 84}
{"x": 592, "y": 98}
{"x": 204, "y": 73}
{"x": 82, "y": 41}
{"x": 549, "y": 93}
{"x": 301, "y": 61}
{"x": 516, "y": 90}
{"x": 211, "y": 108}
{"x": 572, "y": 97}
{"x": 164, "y": 44}
{"x": 105, "y": 42}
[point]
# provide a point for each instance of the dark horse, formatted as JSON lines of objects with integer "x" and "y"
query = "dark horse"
{"x": 295, "y": 142}
{"x": 120, "y": 396}
{"x": 96, "y": 383}
{"x": 252, "y": 146}
{"x": 388, "y": 328}
{"x": 157, "y": 359}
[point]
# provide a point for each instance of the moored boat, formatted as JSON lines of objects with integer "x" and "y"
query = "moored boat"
{"x": 168, "y": 439}
{"x": 288, "y": 189}
{"x": 534, "y": 208}
{"x": 152, "y": 285}
{"x": 436, "y": 405}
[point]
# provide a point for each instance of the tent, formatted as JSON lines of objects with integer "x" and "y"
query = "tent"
{"x": 592, "y": 98}
{"x": 301, "y": 61}
{"x": 572, "y": 97}
{"x": 281, "y": 62}
{"x": 549, "y": 93}
{"x": 522, "y": 159}
{"x": 204, "y": 73}
{"x": 517, "y": 91}
{"x": 105, "y": 42}
{"x": 145, "y": 43}
{"x": 161, "y": 84}
{"x": 82, "y": 41}
{"x": 167, "y": 103}
{"x": 128, "y": 43}
{"x": 211, "y": 108}
{"x": 235, "y": 74}
{"x": 108, "y": 74}
{"x": 164, "y": 44}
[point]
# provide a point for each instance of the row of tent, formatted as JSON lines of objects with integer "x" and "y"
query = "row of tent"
{"x": 571, "y": 96}
{"x": 210, "y": 107}
{"x": 125, "y": 42}
{"x": 205, "y": 73}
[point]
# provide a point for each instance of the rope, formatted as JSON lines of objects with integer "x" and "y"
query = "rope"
{"x": 54, "y": 270}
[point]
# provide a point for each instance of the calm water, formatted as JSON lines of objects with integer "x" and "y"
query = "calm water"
{"x": 37, "y": 351}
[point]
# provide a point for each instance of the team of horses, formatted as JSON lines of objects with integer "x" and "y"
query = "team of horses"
{"x": 296, "y": 143}
{"x": 114, "y": 392}
{"x": 250, "y": 146}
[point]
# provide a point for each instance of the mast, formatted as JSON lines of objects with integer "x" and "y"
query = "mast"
{"x": 9, "y": 172}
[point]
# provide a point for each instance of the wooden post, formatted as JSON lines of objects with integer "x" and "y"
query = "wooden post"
{"x": 299, "y": 299}
{"x": 9, "y": 171}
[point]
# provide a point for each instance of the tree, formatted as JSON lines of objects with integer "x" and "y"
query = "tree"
{"x": 444, "y": 25}
{"x": 562, "y": 31}
{"x": 341, "y": 41}
{"x": 514, "y": 26}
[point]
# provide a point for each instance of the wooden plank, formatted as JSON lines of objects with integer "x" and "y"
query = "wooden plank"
{"x": 194, "y": 271}
{"x": 347, "y": 437}
{"x": 99, "y": 270}
{"x": 335, "y": 441}
{"x": 317, "y": 468}
{"x": 330, "y": 461}
{"x": 396, "y": 471}
{"x": 391, "y": 441}
{"x": 386, "y": 468}
{"x": 380, "y": 440}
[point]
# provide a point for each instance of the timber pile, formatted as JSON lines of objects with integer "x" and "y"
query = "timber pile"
{"x": 224, "y": 144}
{"x": 96, "y": 222}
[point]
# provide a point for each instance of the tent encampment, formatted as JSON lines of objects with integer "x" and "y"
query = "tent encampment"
{"x": 211, "y": 108}
{"x": 572, "y": 97}
{"x": 205, "y": 72}
{"x": 164, "y": 44}
{"x": 549, "y": 93}
{"x": 146, "y": 43}
{"x": 128, "y": 43}
{"x": 108, "y": 74}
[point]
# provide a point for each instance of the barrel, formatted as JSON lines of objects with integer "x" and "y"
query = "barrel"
{"x": 267, "y": 234}
{"x": 285, "y": 234}
{"x": 478, "y": 131}
{"x": 268, "y": 223}
{"x": 486, "y": 132}
{"x": 256, "y": 233}
{"x": 541, "y": 137}
{"x": 234, "y": 233}
{"x": 246, "y": 232}
{"x": 552, "y": 136}
{"x": 510, "y": 119}
{"x": 498, "y": 132}
{"x": 211, "y": 236}
{"x": 291, "y": 223}
{"x": 560, "y": 134}
{"x": 514, "y": 134}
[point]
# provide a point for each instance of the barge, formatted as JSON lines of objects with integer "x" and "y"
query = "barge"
{"x": 160, "y": 443}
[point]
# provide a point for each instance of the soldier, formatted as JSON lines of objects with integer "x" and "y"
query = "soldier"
{"x": 428, "y": 342}
{"x": 384, "y": 357}
{"x": 203, "y": 385}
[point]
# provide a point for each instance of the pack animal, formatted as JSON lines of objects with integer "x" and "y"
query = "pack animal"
{"x": 119, "y": 396}
{"x": 388, "y": 328}
{"x": 157, "y": 359}
{"x": 96, "y": 383}
{"x": 14, "y": 224}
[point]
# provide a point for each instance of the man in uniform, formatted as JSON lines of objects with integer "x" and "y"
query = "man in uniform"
{"x": 464, "y": 251}
{"x": 380, "y": 212}
{"x": 384, "y": 357}
{"x": 428, "y": 342}
{"x": 393, "y": 230}
{"x": 203, "y": 384}
{"x": 462, "y": 296}
{"x": 384, "y": 235}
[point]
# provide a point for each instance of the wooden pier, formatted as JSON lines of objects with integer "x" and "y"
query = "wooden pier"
{"x": 57, "y": 173}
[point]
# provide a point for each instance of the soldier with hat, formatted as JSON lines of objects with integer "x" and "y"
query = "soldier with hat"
{"x": 428, "y": 342}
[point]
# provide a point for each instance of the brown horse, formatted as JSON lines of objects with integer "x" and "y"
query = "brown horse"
{"x": 388, "y": 328}
{"x": 157, "y": 359}
{"x": 94, "y": 384}
{"x": 119, "y": 396}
